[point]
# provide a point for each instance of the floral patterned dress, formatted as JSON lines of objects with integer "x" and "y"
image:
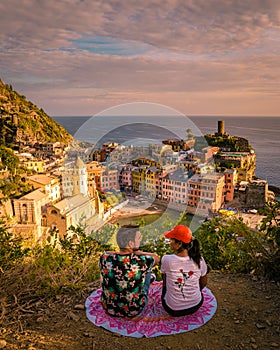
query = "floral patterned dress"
{"x": 123, "y": 281}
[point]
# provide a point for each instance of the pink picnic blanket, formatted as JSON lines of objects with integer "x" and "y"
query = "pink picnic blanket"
{"x": 154, "y": 320}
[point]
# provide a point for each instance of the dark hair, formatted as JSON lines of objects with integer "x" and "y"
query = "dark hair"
{"x": 125, "y": 234}
{"x": 193, "y": 249}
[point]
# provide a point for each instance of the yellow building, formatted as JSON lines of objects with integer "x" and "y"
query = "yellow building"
{"x": 151, "y": 176}
{"x": 139, "y": 179}
{"x": 35, "y": 165}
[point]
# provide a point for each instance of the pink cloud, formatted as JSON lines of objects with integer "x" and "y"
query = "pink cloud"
{"x": 174, "y": 49}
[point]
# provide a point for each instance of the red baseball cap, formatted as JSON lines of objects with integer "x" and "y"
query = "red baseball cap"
{"x": 181, "y": 233}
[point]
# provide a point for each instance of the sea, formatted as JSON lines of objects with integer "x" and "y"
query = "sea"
{"x": 262, "y": 132}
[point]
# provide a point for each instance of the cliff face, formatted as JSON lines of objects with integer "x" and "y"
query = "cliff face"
{"x": 23, "y": 121}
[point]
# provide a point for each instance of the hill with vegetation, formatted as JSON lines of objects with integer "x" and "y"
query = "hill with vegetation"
{"x": 23, "y": 121}
{"x": 228, "y": 142}
{"x": 225, "y": 142}
{"x": 44, "y": 285}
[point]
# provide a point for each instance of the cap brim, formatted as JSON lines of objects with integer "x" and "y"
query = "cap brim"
{"x": 168, "y": 234}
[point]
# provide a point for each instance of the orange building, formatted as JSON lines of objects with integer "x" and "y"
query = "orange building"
{"x": 94, "y": 171}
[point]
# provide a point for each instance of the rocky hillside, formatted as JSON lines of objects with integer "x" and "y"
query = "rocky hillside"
{"x": 23, "y": 121}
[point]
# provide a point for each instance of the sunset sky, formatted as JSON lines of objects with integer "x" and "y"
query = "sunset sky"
{"x": 200, "y": 57}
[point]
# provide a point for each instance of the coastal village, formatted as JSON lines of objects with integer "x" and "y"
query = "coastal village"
{"x": 164, "y": 113}
{"x": 50, "y": 183}
{"x": 75, "y": 185}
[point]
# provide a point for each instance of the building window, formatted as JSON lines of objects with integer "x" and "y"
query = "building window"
{"x": 24, "y": 213}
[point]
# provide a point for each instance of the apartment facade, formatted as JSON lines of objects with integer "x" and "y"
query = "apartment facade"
{"x": 205, "y": 193}
{"x": 230, "y": 183}
{"x": 125, "y": 178}
{"x": 174, "y": 187}
{"x": 94, "y": 171}
{"x": 48, "y": 184}
{"x": 109, "y": 179}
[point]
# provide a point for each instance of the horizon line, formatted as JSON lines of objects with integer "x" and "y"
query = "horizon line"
{"x": 190, "y": 115}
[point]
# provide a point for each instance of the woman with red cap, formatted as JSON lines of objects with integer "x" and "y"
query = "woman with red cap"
{"x": 184, "y": 273}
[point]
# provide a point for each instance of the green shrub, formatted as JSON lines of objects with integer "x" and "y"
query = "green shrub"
{"x": 229, "y": 245}
{"x": 270, "y": 262}
{"x": 63, "y": 264}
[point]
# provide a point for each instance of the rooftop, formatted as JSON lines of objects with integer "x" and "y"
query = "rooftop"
{"x": 34, "y": 195}
{"x": 70, "y": 203}
{"x": 42, "y": 179}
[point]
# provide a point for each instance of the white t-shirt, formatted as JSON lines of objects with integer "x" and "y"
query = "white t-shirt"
{"x": 182, "y": 281}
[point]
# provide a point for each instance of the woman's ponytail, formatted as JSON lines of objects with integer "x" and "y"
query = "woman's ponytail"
{"x": 194, "y": 251}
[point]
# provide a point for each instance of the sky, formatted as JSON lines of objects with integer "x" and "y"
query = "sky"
{"x": 199, "y": 57}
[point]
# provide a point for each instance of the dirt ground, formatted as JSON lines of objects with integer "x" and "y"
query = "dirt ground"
{"x": 247, "y": 318}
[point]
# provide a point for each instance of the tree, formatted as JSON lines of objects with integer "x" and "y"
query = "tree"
{"x": 9, "y": 159}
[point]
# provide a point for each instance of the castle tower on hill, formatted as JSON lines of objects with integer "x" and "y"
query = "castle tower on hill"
{"x": 221, "y": 127}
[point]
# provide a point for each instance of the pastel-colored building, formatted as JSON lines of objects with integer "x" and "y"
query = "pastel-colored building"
{"x": 205, "y": 193}
{"x": 35, "y": 165}
{"x": 206, "y": 154}
{"x": 125, "y": 178}
{"x": 150, "y": 186}
{"x": 109, "y": 179}
{"x": 94, "y": 171}
{"x": 48, "y": 184}
{"x": 32, "y": 163}
{"x": 174, "y": 187}
{"x": 102, "y": 177}
{"x": 139, "y": 179}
